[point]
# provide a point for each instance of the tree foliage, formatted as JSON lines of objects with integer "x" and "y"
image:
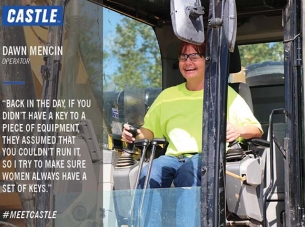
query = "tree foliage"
{"x": 136, "y": 50}
{"x": 256, "y": 53}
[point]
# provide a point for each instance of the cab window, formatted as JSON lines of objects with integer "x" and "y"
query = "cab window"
{"x": 263, "y": 70}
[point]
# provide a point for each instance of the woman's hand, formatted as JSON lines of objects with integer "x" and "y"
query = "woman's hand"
{"x": 233, "y": 132}
{"x": 246, "y": 132}
{"x": 127, "y": 136}
{"x": 142, "y": 133}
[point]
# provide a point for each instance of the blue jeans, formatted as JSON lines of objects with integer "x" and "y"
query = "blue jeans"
{"x": 168, "y": 169}
{"x": 167, "y": 206}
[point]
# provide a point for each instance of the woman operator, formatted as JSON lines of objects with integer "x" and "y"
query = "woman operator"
{"x": 176, "y": 115}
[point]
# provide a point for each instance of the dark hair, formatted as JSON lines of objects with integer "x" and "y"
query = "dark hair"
{"x": 200, "y": 49}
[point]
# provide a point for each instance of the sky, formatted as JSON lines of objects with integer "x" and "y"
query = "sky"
{"x": 110, "y": 20}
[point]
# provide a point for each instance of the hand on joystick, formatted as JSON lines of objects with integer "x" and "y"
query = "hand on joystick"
{"x": 129, "y": 148}
{"x": 126, "y": 159}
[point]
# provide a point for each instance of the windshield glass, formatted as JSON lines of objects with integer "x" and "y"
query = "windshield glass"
{"x": 125, "y": 206}
{"x": 107, "y": 53}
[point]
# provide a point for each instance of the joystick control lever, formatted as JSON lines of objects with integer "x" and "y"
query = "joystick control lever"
{"x": 130, "y": 146}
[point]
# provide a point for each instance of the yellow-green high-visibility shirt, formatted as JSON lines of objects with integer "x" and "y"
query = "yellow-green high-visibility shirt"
{"x": 176, "y": 115}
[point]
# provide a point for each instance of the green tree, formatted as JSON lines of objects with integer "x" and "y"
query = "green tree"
{"x": 137, "y": 52}
{"x": 256, "y": 53}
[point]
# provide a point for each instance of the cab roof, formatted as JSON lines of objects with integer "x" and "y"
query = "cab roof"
{"x": 250, "y": 14}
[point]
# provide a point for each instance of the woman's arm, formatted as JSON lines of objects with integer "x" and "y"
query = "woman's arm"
{"x": 246, "y": 132}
